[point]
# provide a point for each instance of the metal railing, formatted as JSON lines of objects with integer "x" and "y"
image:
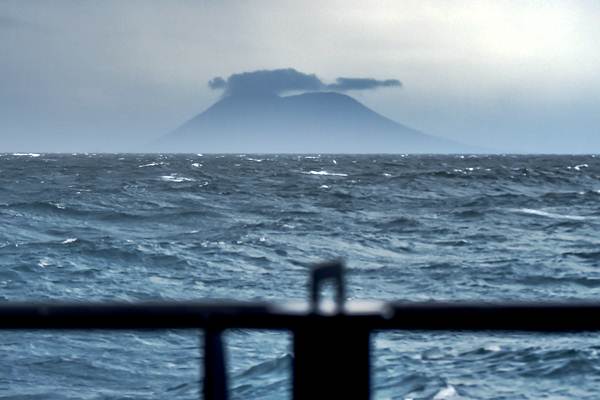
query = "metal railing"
{"x": 331, "y": 341}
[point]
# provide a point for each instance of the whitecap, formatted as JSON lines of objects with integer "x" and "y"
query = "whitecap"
{"x": 325, "y": 173}
{"x": 493, "y": 348}
{"x": 547, "y": 214}
{"x": 255, "y": 159}
{"x": 323, "y": 187}
{"x": 69, "y": 240}
{"x": 26, "y": 155}
{"x": 44, "y": 262}
{"x": 386, "y": 174}
{"x": 175, "y": 178}
{"x": 161, "y": 281}
{"x": 578, "y": 167}
{"x": 446, "y": 393}
{"x": 152, "y": 164}
{"x": 196, "y": 165}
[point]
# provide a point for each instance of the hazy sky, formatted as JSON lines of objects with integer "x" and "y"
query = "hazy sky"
{"x": 94, "y": 75}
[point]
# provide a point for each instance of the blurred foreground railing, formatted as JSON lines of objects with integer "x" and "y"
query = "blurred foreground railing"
{"x": 331, "y": 341}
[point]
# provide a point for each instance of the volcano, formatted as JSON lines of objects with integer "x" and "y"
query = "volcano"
{"x": 315, "y": 122}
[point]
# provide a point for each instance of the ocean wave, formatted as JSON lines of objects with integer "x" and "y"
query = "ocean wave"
{"x": 37, "y": 206}
{"x": 446, "y": 393}
{"x": 578, "y": 167}
{"x": 33, "y": 155}
{"x": 325, "y": 173}
{"x": 176, "y": 178}
{"x": 469, "y": 213}
{"x": 152, "y": 164}
{"x": 277, "y": 364}
{"x": 426, "y": 232}
{"x": 548, "y": 281}
{"x": 547, "y": 214}
{"x": 397, "y": 224}
{"x": 586, "y": 255}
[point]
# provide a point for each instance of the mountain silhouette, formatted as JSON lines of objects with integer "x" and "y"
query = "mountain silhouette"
{"x": 315, "y": 122}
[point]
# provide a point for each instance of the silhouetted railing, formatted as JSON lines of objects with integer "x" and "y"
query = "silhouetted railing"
{"x": 331, "y": 341}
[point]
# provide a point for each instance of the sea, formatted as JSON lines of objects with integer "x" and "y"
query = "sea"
{"x": 138, "y": 227}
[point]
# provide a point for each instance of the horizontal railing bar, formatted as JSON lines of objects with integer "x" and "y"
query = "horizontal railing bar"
{"x": 539, "y": 317}
{"x": 130, "y": 316}
{"x": 527, "y": 317}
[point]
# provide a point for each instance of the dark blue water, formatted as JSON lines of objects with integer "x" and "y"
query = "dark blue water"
{"x": 139, "y": 227}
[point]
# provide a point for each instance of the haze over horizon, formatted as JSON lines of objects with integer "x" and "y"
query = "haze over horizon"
{"x": 512, "y": 76}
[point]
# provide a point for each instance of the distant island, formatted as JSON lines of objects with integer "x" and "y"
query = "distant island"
{"x": 262, "y": 121}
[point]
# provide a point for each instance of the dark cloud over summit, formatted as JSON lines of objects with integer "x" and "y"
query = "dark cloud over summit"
{"x": 278, "y": 81}
{"x": 217, "y": 83}
{"x": 267, "y": 82}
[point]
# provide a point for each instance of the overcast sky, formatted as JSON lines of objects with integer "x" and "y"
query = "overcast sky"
{"x": 97, "y": 75}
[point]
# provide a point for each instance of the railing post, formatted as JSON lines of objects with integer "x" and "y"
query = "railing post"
{"x": 331, "y": 360}
{"x": 215, "y": 374}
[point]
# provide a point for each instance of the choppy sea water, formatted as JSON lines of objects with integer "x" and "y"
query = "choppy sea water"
{"x": 121, "y": 227}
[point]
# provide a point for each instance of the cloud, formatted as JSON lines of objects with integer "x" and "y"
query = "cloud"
{"x": 267, "y": 82}
{"x": 217, "y": 83}
{"x": 344, "y": 84}
{"x": 278, "y": 81}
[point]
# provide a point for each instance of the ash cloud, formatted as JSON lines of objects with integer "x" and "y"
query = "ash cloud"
{"x": 279, "y": 81}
